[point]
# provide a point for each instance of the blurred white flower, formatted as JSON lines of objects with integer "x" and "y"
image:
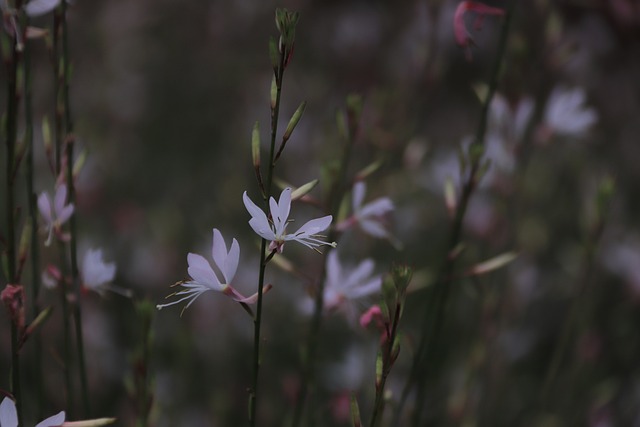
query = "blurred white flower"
{"x": 9, "y": 416}
{"x": 509, "y": 122}
{"x": 566, "y": 113}
{"x": 371, "y": 216}
{"x": 276, "y": 231}
{"x": 204, "y": 279}
{"x": 96, "y": 274}
{"x": 344, "y": 287}
{"x": 56, "y": 215}
{"x": 40, "y": 7}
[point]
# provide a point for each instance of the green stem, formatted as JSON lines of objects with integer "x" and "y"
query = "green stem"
{"x": 73, "y": 228}
{"x": 33, "y": 217}
{"x": 434, "y": 317}
{"x": 11, "y": 124}
{"x": 66, "y": 331}
{"x": 310, "y": 351}
{"x": 257, "y": 321}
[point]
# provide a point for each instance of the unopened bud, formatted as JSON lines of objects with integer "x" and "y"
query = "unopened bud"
{"x": 294, "y": 121}
{"x": 255, "y": 144}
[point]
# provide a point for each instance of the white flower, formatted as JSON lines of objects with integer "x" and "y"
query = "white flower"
{"x": 344, "y": 286}
{"x": 566, "y": 113}
{"x": 369, "y": 217}
{"x": 276, "y": 232}
{"x": 9, "y": 416}
{"x": 56, "y": 215}
{"x": 204, "y": 279}
{"x": 40, "y": 7}
{"x": 96, "y": 274}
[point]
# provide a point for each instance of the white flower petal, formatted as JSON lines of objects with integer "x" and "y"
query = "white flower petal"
{"x": 44, "y": 206}
{"x": 54, "y": 421}
{"x": 59, "y": 199}
{"x": 311, "y": 228}
{"x": 64, "y": 214}
{"x": 40, "y": 7}
{"x": 201, "y": 272}
{"x": 231, "y": 263}
{"x": 284, "y": 207}
{"x": 364, "y": 270}
{"x": 259, "y": 222}
{"x": 359, "y": 189}
{"x": 8, "y": 413}
{"x": 218, "y": 249}
{"x": 334, "y": 270}
{"x": 377, "y": 207}
{"x": 374, "y": 228}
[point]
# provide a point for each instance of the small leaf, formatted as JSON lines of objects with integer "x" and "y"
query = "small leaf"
{"x": 450, "y": 200}
{"x": 79, "y": 163}
{"x": 368, "y": 170}
{"x": 255, "y": 144}
{"x": 294, "y": 121}
{"x": 355, "y": 412}
{"x": 493, "y": 263}
{"x": 303, "y": 189}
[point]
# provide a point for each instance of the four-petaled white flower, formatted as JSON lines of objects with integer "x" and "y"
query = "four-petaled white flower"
{"x": 345, "y": 286}
{"x": 370, "y": 217}
{"x": 9, "y": 416}
{"x": 97, "y": 274}
{"x": 204, "y": 279}
{"x": 56, "y": 215}
{"x": 566, "y": 113}
{"x": 275, "y": 231}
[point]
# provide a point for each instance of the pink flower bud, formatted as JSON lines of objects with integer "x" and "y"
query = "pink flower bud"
{"x": 459, "y": 28}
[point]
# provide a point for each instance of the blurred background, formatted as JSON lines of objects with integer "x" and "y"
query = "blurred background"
{"x": 164, "y": 96}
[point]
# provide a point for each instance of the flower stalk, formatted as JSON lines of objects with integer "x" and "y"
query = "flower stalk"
{"x": 433, "y": 319}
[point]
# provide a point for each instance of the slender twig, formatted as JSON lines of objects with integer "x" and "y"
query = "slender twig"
{"x": 310, "y": 351}
{"x": 257, "y": 322}
{"x": 73, "y": 227}
{"x": 11, "y": 124}
{"x": 433, "y": 319}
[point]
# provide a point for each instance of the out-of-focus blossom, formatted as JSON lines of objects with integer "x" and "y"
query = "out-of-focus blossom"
{"x": 204, "y": 279}
{"x": 509, "y": 121}
{"x": 40, "y": 7}
{"x": 371, "y": 216}
{"x": 566, "y": 113}
{"x": 463, "y": 38}
{"x": 12, "y": 297}
{"x": 97, "y": 274}
{"x": 9, "y": 418}
{"x": 56, "y": 215}
{"x": 373, "y": 314}
{"x": 344, "y": 287}
{"x": 623, "y": 259}
{"x": 275, "y": 231}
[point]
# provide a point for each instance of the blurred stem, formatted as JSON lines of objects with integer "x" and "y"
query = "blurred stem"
{"x": 33, "y": 217}
{"x": 387, "y": 363}
{"x": 66, "y": 330}
{"x": 73, "y": 228}
{"x": 310, "y": 350}
{"x": 434, "y": 315}
{"x": 578, "y": 311}
{"x": 257, "y": 321}
{"x": 11, "y": 124}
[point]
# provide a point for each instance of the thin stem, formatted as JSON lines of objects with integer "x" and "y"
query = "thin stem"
{"x": 33, "y": 212}
{"x": 11, "y": 123}
{"x": 73, "y": 228}
{"x": 434, "y": 317}
{"x": 66, "y": 331}
{"x": 387, "y": 362}
{"x": 257, "y": 322}
{"x": 310, "y": 350}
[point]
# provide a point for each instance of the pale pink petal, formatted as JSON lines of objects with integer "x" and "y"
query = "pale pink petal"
{"x": 334, "y": 270}
{"x": 218, "y": 249}
{"x": 258, "y": 222}
{"x": 377, "y": 207}
{"x": 40, "y": 7}
{"x": 374, "y": 228}
{"x": 44, "y": 206}
{"x": 8, "y": 413}
{"x": 365, "y": 289}
{"x": 200, "y": 271}
{"x": 54, "y": 421}
{"x": 231, "y": 263}
{"x": 364, "y": 270}
{"x": 59, "y": 199}
{"x": 284, "y": 205}
{"x": 311, "y": 228}
{"x": 64, "y": 214}
{"x": 359, "y": 189}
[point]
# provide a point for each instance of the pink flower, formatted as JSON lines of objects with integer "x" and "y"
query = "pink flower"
{"x": 374, "y": 313}
{"x": 463, "y": 38}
